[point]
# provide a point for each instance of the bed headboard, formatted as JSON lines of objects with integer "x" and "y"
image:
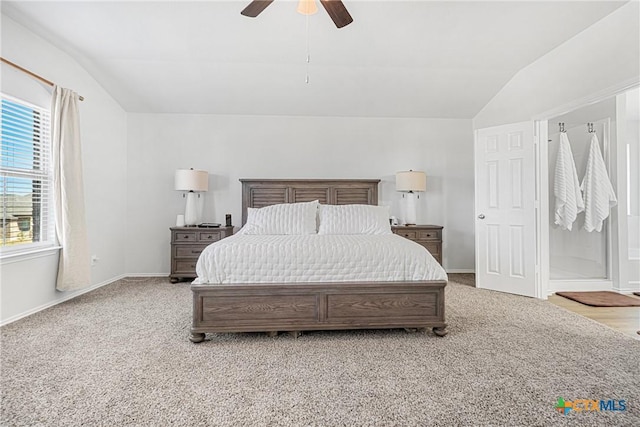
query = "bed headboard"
{"x": 257, "y": 193}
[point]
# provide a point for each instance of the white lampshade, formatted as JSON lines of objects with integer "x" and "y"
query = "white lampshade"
{"x": 191, "y": 180}
{"x": 411, "y": 181}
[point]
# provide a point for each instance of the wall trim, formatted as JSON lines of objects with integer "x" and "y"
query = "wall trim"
{"x": 71, "y": 295}
{"x": 9, "y": 258}
{"x": 452, "y": 270}
{"x": 578, "y": 286}
{"x": 598, "y": 96}
{"x": 146, "y": 275}
{"x": 632, "y": 286}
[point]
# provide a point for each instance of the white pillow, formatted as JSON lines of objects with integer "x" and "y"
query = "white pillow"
{"x": 354, "y": 219}
{"x": 286, "y": 218}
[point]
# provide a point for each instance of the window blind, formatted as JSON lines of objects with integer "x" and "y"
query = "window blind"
{"x": 26, "y": 204}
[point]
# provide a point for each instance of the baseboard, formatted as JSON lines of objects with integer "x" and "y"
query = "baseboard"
{"x": 146, "y": 275}
{"x": 461, "y": 271}
{"x": 578, "y": 286}
{"x": 590, "y": 285}
{"x": 633, "y": 286}
{"x": 70, "y": 295}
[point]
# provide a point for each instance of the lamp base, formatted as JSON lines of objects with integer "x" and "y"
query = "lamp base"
{"x": 410, "y": 209}
{"x": 191, "y": 210}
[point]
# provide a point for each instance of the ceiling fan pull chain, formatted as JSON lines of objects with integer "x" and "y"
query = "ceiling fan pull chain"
{"x": 306, "y": 79}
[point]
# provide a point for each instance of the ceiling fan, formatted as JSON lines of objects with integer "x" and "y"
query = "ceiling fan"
{"x": 334, "y": 8}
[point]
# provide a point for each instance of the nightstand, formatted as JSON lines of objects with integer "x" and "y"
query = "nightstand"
{"x": 429, "y": 236}
{"x": 187, "y": 243}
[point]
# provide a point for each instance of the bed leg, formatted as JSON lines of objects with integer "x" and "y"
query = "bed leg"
{"x": 440, "y": 331}
{"x": 295, "y": 334}
{"x": 196, "y": 337}
{"x": 272, "y": 334}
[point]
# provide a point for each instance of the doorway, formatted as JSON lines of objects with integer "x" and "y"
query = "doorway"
{"x": 578, "y": 260}
{"x": 553, "y": 260}
{"x": 577, "y": 256}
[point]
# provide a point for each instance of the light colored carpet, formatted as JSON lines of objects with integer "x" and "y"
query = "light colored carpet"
{"x": 120, "y": 356}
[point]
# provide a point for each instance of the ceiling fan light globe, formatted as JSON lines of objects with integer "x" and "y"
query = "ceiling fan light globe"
{"x": 307, "y": 7}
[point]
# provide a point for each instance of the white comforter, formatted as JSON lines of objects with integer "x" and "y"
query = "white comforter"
{"x": 315, "y": 258}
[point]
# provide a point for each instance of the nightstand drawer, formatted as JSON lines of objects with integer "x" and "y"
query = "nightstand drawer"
{"x": 433, "y": 248}
{"x": 429, "y": 235}
{"x": 185, "y": 236}
{"x": 408, "y": 234}
{"x": 184, "y": 266}
{"x": 209, "y": 236}
{"x": 188, "y": 251}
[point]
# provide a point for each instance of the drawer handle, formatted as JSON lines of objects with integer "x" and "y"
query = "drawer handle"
{"x": 209, "y": 237}
{"x": 185, "y": 237}
{"x": 195, "y": 252}
{"x": 193, "y": 266}
{"x": 406, "y": 235}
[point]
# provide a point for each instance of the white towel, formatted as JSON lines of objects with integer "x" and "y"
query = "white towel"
{"x": 566, "y": 187}
{"x": 599, "y": 197}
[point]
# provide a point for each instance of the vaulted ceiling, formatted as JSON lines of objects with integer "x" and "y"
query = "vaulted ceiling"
{"x": 397, "y": 59}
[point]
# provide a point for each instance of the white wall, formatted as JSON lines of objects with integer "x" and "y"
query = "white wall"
{"x": 600, "y": 57}
{"x": 234, "y": 147}
{"x": 632, "y": 136}
{"x": 29, "y": 283}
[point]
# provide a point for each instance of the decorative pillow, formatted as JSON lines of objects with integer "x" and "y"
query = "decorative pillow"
{"x": 354, "y": 219}
{"x": 286, "y": 218}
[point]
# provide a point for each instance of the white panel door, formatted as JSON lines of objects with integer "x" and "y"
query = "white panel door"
{"x": 505, "y": 211}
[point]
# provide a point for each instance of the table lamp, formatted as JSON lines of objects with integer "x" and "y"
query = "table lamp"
{"x": 409, "y": 183}
{"x": 192, "y": 181}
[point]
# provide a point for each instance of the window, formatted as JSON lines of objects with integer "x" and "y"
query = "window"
{"x": 25, "y": 177}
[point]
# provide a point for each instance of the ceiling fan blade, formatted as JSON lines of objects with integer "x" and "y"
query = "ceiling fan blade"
{"x": 337, "y": 12}
{"x": 255, "y": 8}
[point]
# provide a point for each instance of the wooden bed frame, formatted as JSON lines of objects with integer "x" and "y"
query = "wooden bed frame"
{"x": 295, "y": 307}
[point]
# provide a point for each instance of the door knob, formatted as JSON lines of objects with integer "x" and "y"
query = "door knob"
{"x": 481, "y": 216}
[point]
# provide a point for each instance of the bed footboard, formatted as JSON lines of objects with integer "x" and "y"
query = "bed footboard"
{"x": 270, "y": 307}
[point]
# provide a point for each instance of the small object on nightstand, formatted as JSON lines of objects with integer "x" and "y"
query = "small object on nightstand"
{"x": 227, "y": 218}
{"x": 209, "y": 225}
{"x": 186, "y": 245}
{"x": 429, "y": 236}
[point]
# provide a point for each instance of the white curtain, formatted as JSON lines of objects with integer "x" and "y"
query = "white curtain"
{"x": 74, "y": 269}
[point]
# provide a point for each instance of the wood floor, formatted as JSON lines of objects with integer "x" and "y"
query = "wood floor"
{"x": 623, "y": 319}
